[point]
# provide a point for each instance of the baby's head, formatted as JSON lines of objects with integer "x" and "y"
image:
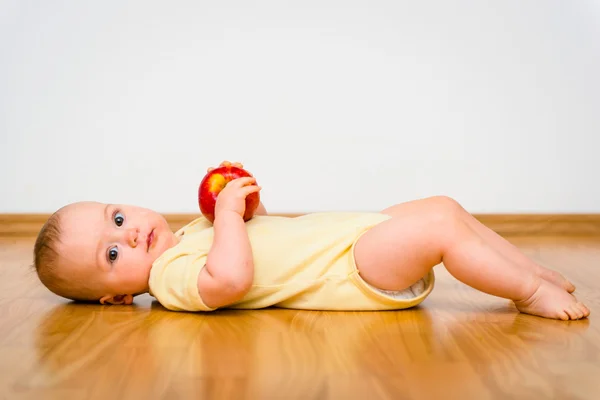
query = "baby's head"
{"x": 91, "y": 251}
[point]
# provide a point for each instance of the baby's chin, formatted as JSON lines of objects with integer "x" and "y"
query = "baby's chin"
{"x": 165, "y": 241}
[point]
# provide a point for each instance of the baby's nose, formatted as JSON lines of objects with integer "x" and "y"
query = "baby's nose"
{"x": 131, "y": 237}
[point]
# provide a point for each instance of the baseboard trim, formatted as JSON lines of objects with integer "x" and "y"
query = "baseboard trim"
{"x": 28, "y": 225}
{"x": 542, "y": 224}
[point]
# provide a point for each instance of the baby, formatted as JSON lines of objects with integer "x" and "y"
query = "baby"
{"x": 325, "y": 261}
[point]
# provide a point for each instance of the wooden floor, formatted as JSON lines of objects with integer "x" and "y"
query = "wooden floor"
{"x": 458, "y": 344}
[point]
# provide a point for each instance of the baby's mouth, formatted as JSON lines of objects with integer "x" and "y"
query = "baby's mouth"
{"x": 149, "y": 240}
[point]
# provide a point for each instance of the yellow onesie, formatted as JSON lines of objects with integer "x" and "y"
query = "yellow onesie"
{"x": 304, "y": 262}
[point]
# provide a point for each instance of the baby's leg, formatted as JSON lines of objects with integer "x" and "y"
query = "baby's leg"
{"x": 396, "y": 253}
{"x": 496, "y": 241}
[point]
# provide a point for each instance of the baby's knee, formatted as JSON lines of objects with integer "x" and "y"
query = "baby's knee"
{"x": 444, "y": 209}
{"x": 446, "y": 202}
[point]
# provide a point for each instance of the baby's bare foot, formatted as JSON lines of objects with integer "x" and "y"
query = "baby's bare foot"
{"x": 550, "y": 301}
{"x": 557, "y": 279}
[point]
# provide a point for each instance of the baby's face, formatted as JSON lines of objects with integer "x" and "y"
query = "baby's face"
{"x": 113, "y": 246}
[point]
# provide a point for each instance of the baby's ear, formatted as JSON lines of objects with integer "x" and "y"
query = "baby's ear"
{"x": 118, "y": 299}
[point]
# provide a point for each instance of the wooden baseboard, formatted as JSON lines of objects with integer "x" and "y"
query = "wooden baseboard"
{"x": 28, "y": 225}
{"x": 542, "y": 224}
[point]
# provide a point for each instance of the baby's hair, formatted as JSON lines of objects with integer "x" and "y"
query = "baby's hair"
{"x": 46, "y": 261}
{"x": 45, "y": 253}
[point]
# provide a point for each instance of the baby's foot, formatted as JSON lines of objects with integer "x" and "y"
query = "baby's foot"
{"x": 556, "y": 278}
{"x": 550, "y": 301}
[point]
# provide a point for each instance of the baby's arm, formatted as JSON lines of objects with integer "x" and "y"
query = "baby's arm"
{"x": 229, "y": 270}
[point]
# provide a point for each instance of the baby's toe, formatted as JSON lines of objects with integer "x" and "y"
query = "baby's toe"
{"x": 584, "y": 310}
{"x": 573, "y": 312}
{"x": 563, "y": 315}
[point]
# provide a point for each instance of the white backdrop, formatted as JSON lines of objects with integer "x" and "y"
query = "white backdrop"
{"x": 345, "y": 105}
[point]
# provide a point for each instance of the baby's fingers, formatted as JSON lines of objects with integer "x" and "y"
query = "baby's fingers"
{"x": 233, "y": 164}
{"x": 226, "y": 164}
{"x": 247, "y": 190}
{"x": 241, "y": 182}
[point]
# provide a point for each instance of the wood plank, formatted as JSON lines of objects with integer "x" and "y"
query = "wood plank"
{"x": 28, "y": 225}
{"x": 459, "y": 343}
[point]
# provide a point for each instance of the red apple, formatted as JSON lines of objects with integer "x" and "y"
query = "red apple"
{"x": 212, "y": 184}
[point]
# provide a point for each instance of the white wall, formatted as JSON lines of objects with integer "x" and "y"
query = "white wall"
{"x": 347, "y": 105}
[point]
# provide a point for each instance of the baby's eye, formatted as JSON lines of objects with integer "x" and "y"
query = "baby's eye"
{"x": 119, "y": 218}
{"x": 112, "y": 254}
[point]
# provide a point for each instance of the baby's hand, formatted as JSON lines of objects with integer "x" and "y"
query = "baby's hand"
{"x": 233, "y": 196}
{"x": 226, "y": 164}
